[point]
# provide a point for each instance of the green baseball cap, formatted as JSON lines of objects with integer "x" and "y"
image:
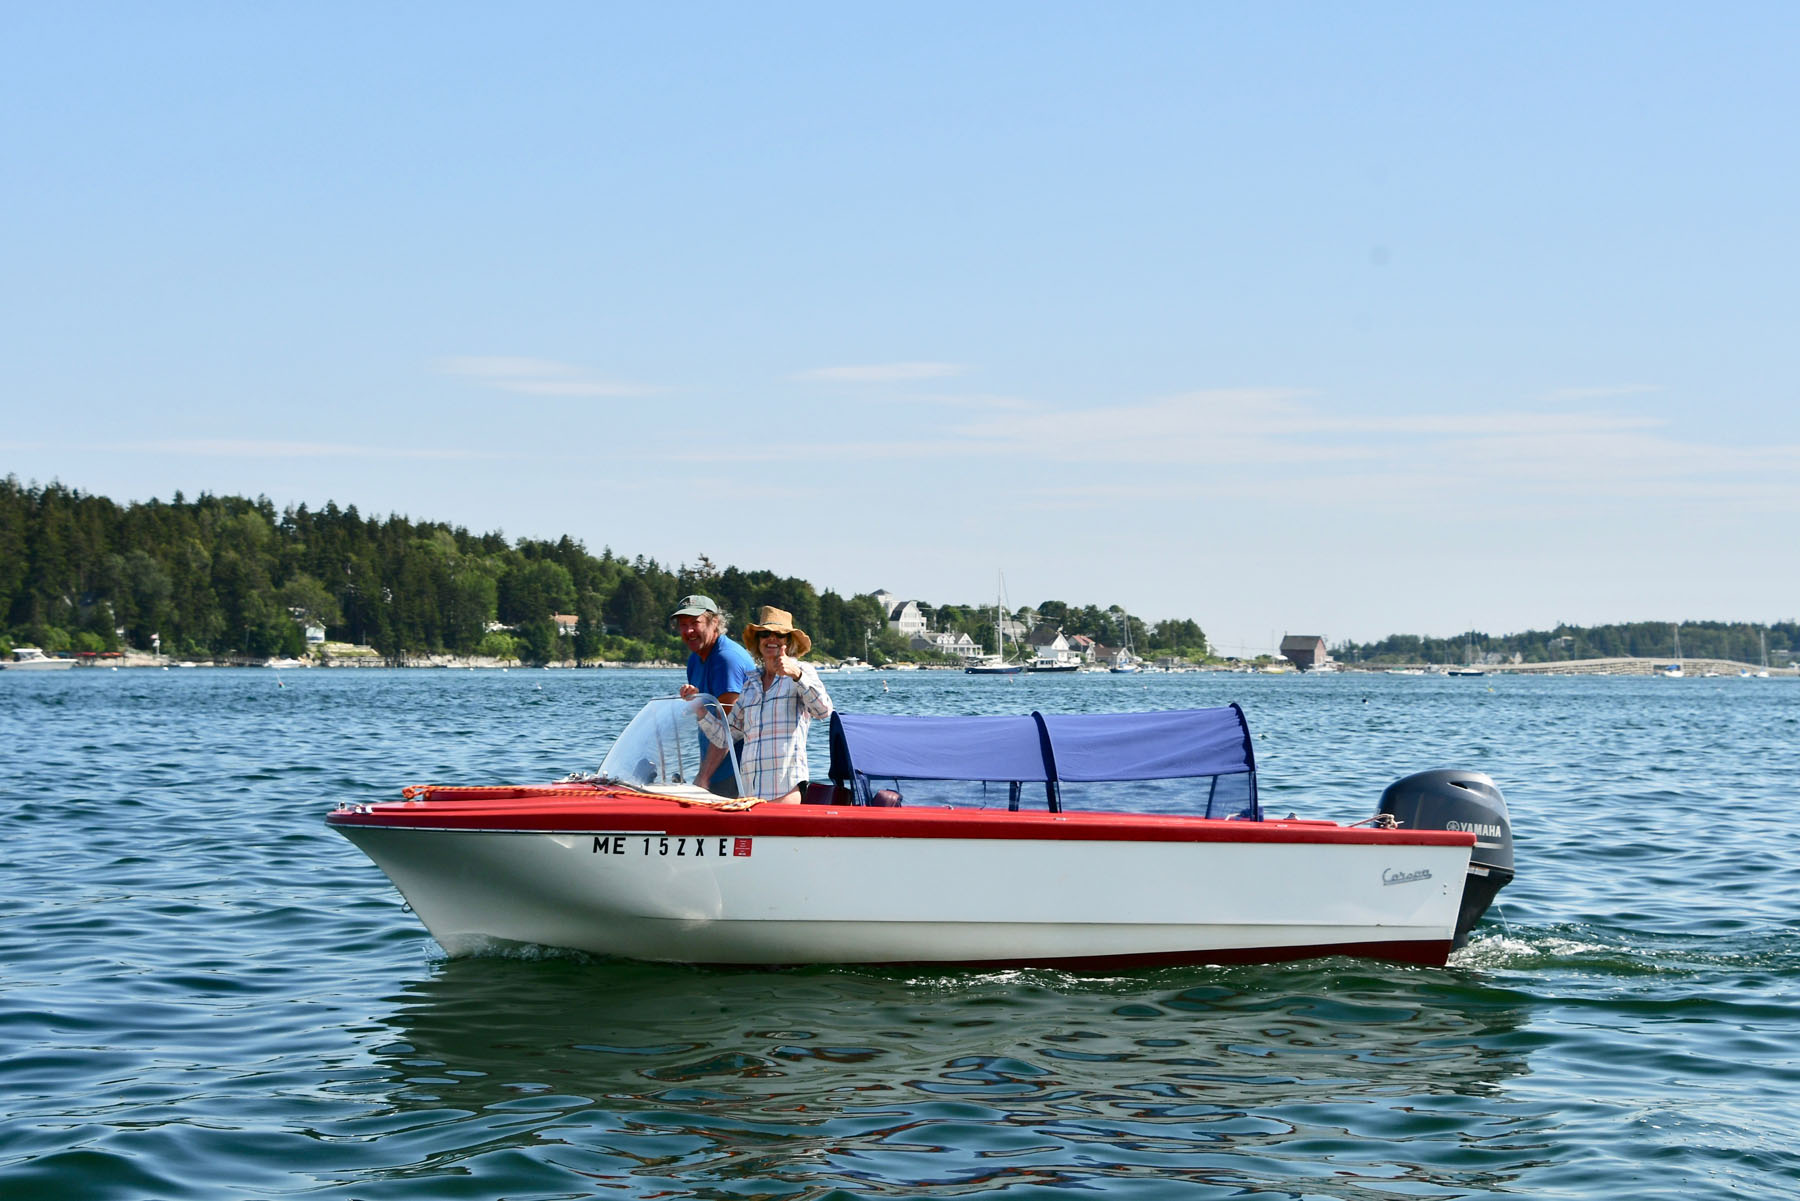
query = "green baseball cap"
{"x": 694, "y": 606}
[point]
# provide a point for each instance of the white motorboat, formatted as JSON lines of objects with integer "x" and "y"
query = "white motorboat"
{"x": 1020, "y": 840}
{"x": 31, "y": 658}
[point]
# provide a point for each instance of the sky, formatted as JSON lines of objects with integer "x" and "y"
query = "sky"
{"x": 1313, "y": 318}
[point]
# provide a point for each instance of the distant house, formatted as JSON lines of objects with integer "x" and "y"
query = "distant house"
{"x": 566, "y": 623}
{"x": 315, "y": 633}
{"x": 945, "y": 642}
{"x": 1083, "y": 647}
{"x": 908, "y": 618}
{"x": 1305, "y": 651}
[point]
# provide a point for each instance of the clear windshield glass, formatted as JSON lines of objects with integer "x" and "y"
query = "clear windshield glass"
{"x": 668, "y": 743}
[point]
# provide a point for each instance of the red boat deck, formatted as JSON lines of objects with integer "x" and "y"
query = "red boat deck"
{"x": 585, "y": 808}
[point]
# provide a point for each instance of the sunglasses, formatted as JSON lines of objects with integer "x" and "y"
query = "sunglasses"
{"x": 766, "y": 634}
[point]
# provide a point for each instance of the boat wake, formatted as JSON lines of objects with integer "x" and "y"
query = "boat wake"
{"x": 1504, "y": 951}
{"x": 1599, "y": 953}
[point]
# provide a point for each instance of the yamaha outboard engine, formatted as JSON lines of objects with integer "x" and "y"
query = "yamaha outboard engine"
{"x": 1460, "y": 800}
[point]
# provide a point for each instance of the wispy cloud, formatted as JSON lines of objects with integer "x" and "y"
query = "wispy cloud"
{"x": 1281, "y": 445}
{"x": 539, "y": 377}
{"x": 880, "y": 373}
{"x": 1275, "y": 425}
{"x": 978, "y": 401}
{"x": 250, "y": 448}
{"x": 1601, "y": 392}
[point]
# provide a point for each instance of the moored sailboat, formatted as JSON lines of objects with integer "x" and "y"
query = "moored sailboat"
{"x": 1124, "y": 661}
{"x": 1673, "y": 670}
{"x": 996, "y": 664}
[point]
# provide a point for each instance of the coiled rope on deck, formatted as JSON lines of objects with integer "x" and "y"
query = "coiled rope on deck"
{"x": 722, "y": 805}
{"x": 423, "y": 792}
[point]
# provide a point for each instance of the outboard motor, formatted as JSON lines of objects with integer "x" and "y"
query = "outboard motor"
{"x": 1460, "y": 800}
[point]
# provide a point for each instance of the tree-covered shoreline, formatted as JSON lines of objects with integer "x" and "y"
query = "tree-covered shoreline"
{"x": 228, "y": 577}
{"x": 1737, "y": 642}
{"x": 232, "y": 577}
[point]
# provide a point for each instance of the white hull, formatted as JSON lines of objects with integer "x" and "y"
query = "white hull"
{"x": 793, "y": 900}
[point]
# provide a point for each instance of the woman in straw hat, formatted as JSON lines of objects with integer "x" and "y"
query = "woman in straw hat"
{"x": 777, "y": 706}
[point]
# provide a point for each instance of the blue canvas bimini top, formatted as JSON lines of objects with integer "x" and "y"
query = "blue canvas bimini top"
{"x": 1048, "y": 749}
{"x": 937, "y": 748}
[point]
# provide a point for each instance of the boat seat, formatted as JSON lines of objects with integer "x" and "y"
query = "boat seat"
{"x": 825, "y": 792}
{"x": 830, "y": 792}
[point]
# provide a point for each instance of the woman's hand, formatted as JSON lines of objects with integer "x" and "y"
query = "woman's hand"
{"x": 689, "y": 692}
{"x": 789, "y": 666}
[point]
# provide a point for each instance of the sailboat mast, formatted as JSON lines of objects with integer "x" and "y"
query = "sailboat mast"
{"x": 999, "y": 615}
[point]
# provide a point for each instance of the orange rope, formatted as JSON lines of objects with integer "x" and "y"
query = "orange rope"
{"x": 723, "y": 805}
{"x": 423, "y": 792}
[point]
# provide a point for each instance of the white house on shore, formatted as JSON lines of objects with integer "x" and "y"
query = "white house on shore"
{"x": 908, "y": 618}
{"x": 945, "y": 642}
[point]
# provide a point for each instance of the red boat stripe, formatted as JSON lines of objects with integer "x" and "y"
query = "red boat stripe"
{"x": 630, "y": 812}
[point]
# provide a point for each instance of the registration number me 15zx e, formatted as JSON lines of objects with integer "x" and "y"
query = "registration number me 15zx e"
{"x": 671, "y": 846}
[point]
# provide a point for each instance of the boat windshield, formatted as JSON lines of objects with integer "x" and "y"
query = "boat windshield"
{"x": 666, "y": 744}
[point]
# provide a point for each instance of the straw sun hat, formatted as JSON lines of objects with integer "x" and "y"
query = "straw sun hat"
{"x": 776, "y": 621}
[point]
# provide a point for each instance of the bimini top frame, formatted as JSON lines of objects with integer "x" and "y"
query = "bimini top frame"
{"x": 1053, "y": 749}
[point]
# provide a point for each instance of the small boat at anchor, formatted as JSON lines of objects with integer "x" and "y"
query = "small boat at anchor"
{"x": 1037, "y": 839}
{"x": 996, "y": 664}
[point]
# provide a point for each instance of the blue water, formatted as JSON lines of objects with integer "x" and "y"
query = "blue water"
{"x": 204, "y": 993}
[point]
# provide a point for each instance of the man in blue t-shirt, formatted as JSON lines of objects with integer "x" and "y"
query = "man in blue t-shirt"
{"x": 715, "y": 665}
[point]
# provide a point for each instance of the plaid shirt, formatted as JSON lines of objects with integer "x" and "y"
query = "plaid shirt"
{"x": 773, "y": 725}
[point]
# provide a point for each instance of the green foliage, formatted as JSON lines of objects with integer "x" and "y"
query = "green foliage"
{"x": 496, "y": 645}
{"x": 1739, "y": 642}
{"x": 222, "y": 576}
{"x": 1182, "y": 638}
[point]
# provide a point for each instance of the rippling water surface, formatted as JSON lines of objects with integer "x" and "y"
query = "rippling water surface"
{"x": 204, "y": 993}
